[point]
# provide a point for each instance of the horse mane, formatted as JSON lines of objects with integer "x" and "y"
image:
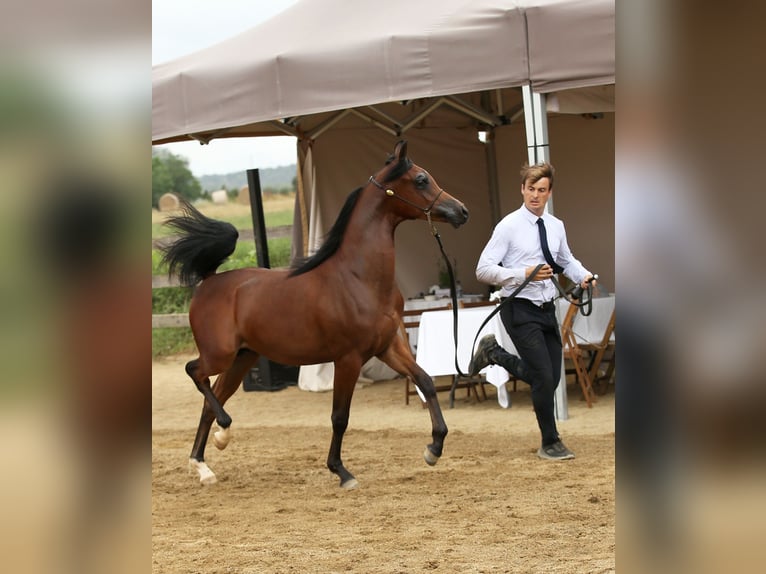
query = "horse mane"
{"x": 334, "y": 238}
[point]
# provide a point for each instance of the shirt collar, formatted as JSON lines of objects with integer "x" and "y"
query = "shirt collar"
{"x": 531, "y": 217}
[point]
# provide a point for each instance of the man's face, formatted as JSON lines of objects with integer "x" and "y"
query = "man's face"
{"x": 536, "y": 195}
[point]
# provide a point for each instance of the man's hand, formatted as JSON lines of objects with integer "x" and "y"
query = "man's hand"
{"x": 589, "y": 279}
{"x": 546, "y": 272}
{"x": 576, "y": 293}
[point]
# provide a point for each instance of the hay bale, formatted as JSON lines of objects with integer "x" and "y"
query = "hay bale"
{"x": 169, "y": 202}
{"x": 244, "y": 195}
{"x": 219, "y": 196}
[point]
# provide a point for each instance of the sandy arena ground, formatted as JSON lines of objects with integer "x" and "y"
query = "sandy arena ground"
{"x": 489, "y": 505}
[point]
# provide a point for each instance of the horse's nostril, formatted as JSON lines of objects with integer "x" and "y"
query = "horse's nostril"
{"x": 464, "y": 211}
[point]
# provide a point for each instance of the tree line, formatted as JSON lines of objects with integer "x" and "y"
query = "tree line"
{"x": 171, "y": 174}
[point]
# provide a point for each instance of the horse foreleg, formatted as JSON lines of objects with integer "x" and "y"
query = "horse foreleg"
{"x": 438, "y": 426}
{"x": 346, "y": 374}
{"x": 399, "y": 357}
{"x": 224, "y": 387}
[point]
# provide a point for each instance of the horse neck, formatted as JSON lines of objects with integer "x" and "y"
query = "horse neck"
{"x": 368, "y": 243}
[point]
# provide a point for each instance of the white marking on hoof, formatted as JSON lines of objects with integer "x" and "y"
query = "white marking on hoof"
{"x": 221, "y": 438}
{"x": 206, "y": 476}
{"x": 350, "y": 484}
{"x": 430, "y": 458}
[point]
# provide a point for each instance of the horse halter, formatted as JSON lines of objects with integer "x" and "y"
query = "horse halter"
{"x": 427, "y": 210}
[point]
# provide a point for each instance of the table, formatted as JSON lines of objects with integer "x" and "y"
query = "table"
{"x": 436, "y": 347}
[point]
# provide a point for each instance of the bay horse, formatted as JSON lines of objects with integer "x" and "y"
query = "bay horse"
{"x": 341, "y": 305}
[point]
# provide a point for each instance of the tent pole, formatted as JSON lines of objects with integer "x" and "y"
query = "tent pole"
{"x": 536, "y": 121}
{"x": 538, "y": 150}
{"x": 256, "y": 211}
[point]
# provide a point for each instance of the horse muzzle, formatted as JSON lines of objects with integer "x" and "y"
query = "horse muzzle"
{"x": 456, "y": 214}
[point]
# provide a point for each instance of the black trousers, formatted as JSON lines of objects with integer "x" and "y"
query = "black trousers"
{"x": 536, "y": 335}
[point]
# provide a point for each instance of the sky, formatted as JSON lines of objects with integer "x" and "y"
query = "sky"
{"x": 180, "y": 27}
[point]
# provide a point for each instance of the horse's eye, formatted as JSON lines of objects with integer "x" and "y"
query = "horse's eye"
{"x": 421, "y": 181}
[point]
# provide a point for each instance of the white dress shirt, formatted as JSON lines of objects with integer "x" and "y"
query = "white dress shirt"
{"x": 515, "y": 245}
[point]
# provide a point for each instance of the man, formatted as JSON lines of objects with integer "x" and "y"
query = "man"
{"x": 518, "y": 245}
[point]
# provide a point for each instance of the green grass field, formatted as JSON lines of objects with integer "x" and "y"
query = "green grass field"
{"x": 239, "y": 220}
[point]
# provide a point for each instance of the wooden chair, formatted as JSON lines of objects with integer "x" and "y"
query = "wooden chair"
{"x": 602, "y": 352}
{"x": 411, "y": 320}
{"x": 574, "y": 353}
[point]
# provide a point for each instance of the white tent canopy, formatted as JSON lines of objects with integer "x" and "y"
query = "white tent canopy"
{"x": 349, "y": 79}
{"x": 324, "y": 55}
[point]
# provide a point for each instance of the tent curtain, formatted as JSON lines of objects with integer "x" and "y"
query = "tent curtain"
{"x": 308, "y": 231}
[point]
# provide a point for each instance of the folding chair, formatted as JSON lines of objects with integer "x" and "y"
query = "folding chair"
{"x": 599, "y": 352}
{"x": 575, "y": 354}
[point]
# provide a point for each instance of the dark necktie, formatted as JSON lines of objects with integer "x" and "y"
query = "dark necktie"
{"x": 546, "y": 250}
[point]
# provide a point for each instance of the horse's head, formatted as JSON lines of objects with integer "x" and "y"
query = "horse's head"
{"x": 415, "y": 192}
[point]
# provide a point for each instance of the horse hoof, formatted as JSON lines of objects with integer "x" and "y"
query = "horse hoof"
{"x": 207, "y": 479}
{"x": 206, "y": 476}
{"x": 350, "y": 484}
{"x": 430, "y": 458}
{"x": 221, "y": 438}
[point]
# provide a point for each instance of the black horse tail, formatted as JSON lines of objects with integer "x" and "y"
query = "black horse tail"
{"x": 202, "y": 245}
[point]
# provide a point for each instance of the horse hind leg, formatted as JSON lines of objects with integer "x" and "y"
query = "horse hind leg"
{"x": 227, "y": 384}
{"x": 346, "y": 374}
{"x": 209, "y": 413}
{"x": 224, "y": 387}
{"x": 202, "y": 381}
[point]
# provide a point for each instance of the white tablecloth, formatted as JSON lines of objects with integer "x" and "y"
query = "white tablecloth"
{"x": 425, "y": 305}
{"x": 436, "y": 347}
{"x": 319, "y": 378}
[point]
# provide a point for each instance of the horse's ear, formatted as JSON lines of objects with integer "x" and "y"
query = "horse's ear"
{"x": 400, "y": 151}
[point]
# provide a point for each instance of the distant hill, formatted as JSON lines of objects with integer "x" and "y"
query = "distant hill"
{"x": 276, "y": 177}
